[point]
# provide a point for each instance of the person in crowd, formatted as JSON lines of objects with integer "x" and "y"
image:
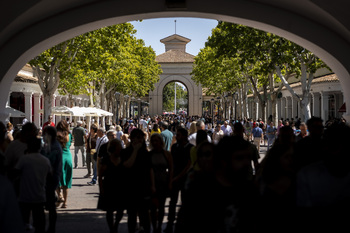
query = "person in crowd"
{"x": 101, "y": 139}
{"x": 9, "y": 133}
{"x": 205, "y": 158}
{"x": 131, "y": 127}
{"x": 303, "y": 132}
{"x": 264, "y": 126}
{"x": 112, "y": 185}
{"x": 79, "y": 137}
{"x": 258, "y": 135}
{"x": 180, "y": 152}
{"x": 218, "y": 134}
{"x": 276, "y": 181}
{"x": 120, "y": 134}
{"x": 286, "y": 137}
{"x": 16, "y": 149}
{"x": 53, "y": 151}
{"x": 193, "y": 128}
{"x": 162, "y": 166}
{"x": 49, "y": 122}
{"x": 199, "y": 126}
{"x": 309, "y": 149}
{"x": 10, "y": 214}
{"x": 125, "y": 140}
{"x": 167, "y": 135}
{"x": 90, "y": 150}
{"x": 201, "y": 137}
{"x": 226, "y": 128}
{"x": 139, "y": 179}
{"x": 279, "y": 126}
{"x": 126, "y": 127}
{"x": 323, "y": 190}
{"x": 226, "y": 200}
{"x": 65, "y": 138}
{"x": 155, "y": 129}
{"x": 143, "y": 123}
{"x": 238, "y": 131}
{"x": 3, "y": 146}
{"x": 210, "y": 130}
{"x": 270, "y": 134}
{"x": 33, "y": 168}
{"x": 248, "y": 130}
{"x": 103, "y": 151}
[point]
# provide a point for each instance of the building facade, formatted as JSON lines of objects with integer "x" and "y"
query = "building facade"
{"x": 177, "y": 65}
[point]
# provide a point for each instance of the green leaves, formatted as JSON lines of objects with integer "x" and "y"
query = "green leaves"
{"x": 111, "y": 56}
{"x": 234, "y": 52}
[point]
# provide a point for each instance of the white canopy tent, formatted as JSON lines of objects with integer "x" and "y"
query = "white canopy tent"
{"x": 87, "y": 112}
{"x": 93, "y": 112}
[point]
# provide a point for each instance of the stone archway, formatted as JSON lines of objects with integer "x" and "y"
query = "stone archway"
{"x": 321, "y": 27}
{"x": 194, "y": 95}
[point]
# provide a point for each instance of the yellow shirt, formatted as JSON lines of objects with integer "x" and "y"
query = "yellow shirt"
{"x": 152, "y": 132}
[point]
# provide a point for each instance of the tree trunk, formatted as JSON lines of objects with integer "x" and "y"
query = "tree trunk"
{"x": 305, "y": 106}
{"x": 245, "y": 102}
{"x": 48, "y": 99}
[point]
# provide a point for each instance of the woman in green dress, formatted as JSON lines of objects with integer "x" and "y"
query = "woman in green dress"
{"x": 65, "y": 139}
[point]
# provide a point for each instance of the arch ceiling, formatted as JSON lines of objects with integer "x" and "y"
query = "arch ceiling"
{"x": 28, "y": 27}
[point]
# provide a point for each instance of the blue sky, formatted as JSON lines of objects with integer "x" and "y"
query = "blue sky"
{"x": 153, "y": 30}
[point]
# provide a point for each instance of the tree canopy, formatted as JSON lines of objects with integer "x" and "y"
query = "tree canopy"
{"x": 236, "y": 54}
{"x": 97, "y": 63}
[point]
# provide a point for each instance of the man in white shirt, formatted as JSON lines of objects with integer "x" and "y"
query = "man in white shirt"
{"x": 226, "y": 128}
{"x": 200, "y": 126}
{"x": 143, "y": 123}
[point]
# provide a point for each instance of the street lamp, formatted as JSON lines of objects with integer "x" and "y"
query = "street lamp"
{"x": 117, "y": 96}
{"x": 219, "y": 98}
{"x": 225, "y": 99}
{"x": 132, "y": 110}
{"x": 235, "y": 97}
{"x": 126, "y": 99}
{"x": 212, "y": 110}
{"x": 139, "y": 109}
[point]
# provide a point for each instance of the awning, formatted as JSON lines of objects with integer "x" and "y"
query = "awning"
{"x": 78, "y": 111}
{"x": 342, "y": 108}
{"x": 14, "y": 112}
{"x": 91, "y": 111}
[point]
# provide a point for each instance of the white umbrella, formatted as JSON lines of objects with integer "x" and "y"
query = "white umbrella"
{"x": 14, "y": 112}
{"x": 91, "y": 111}
{"x": 61, "y": 111}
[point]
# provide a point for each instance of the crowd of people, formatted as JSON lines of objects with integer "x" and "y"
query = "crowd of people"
{"x": 213, "y": 168}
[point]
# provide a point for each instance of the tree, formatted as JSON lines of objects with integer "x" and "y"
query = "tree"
{"x": 97, "y": 63}
{"x": 48, "y": 68}
{"x": 263, "y": 58}
{"x": 169, "y": 97}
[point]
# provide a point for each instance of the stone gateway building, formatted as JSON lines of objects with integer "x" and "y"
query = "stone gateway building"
{"x": 177, "y": 66}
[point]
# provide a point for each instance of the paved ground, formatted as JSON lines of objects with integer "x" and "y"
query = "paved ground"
{"x": 81, "y": 214}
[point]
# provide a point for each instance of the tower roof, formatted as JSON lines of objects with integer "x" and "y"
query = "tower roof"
{"x": 175, "y": 42}
{"x": 175, "y": 56}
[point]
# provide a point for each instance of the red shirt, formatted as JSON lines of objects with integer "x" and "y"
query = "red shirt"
{"x": 48, "y": 124}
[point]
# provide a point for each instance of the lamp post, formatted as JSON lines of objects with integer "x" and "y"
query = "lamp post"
{"x": 219, "y": 99}
{"x": 225, "y": 99}
{"x": 117, "y": 96}
{"x": 235, "y": 97}
{"x": 138, "y": 109}
{"x": 212, "y": 110}
{"x": 132, "y": 110}
{"x": 126, "y": 99}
